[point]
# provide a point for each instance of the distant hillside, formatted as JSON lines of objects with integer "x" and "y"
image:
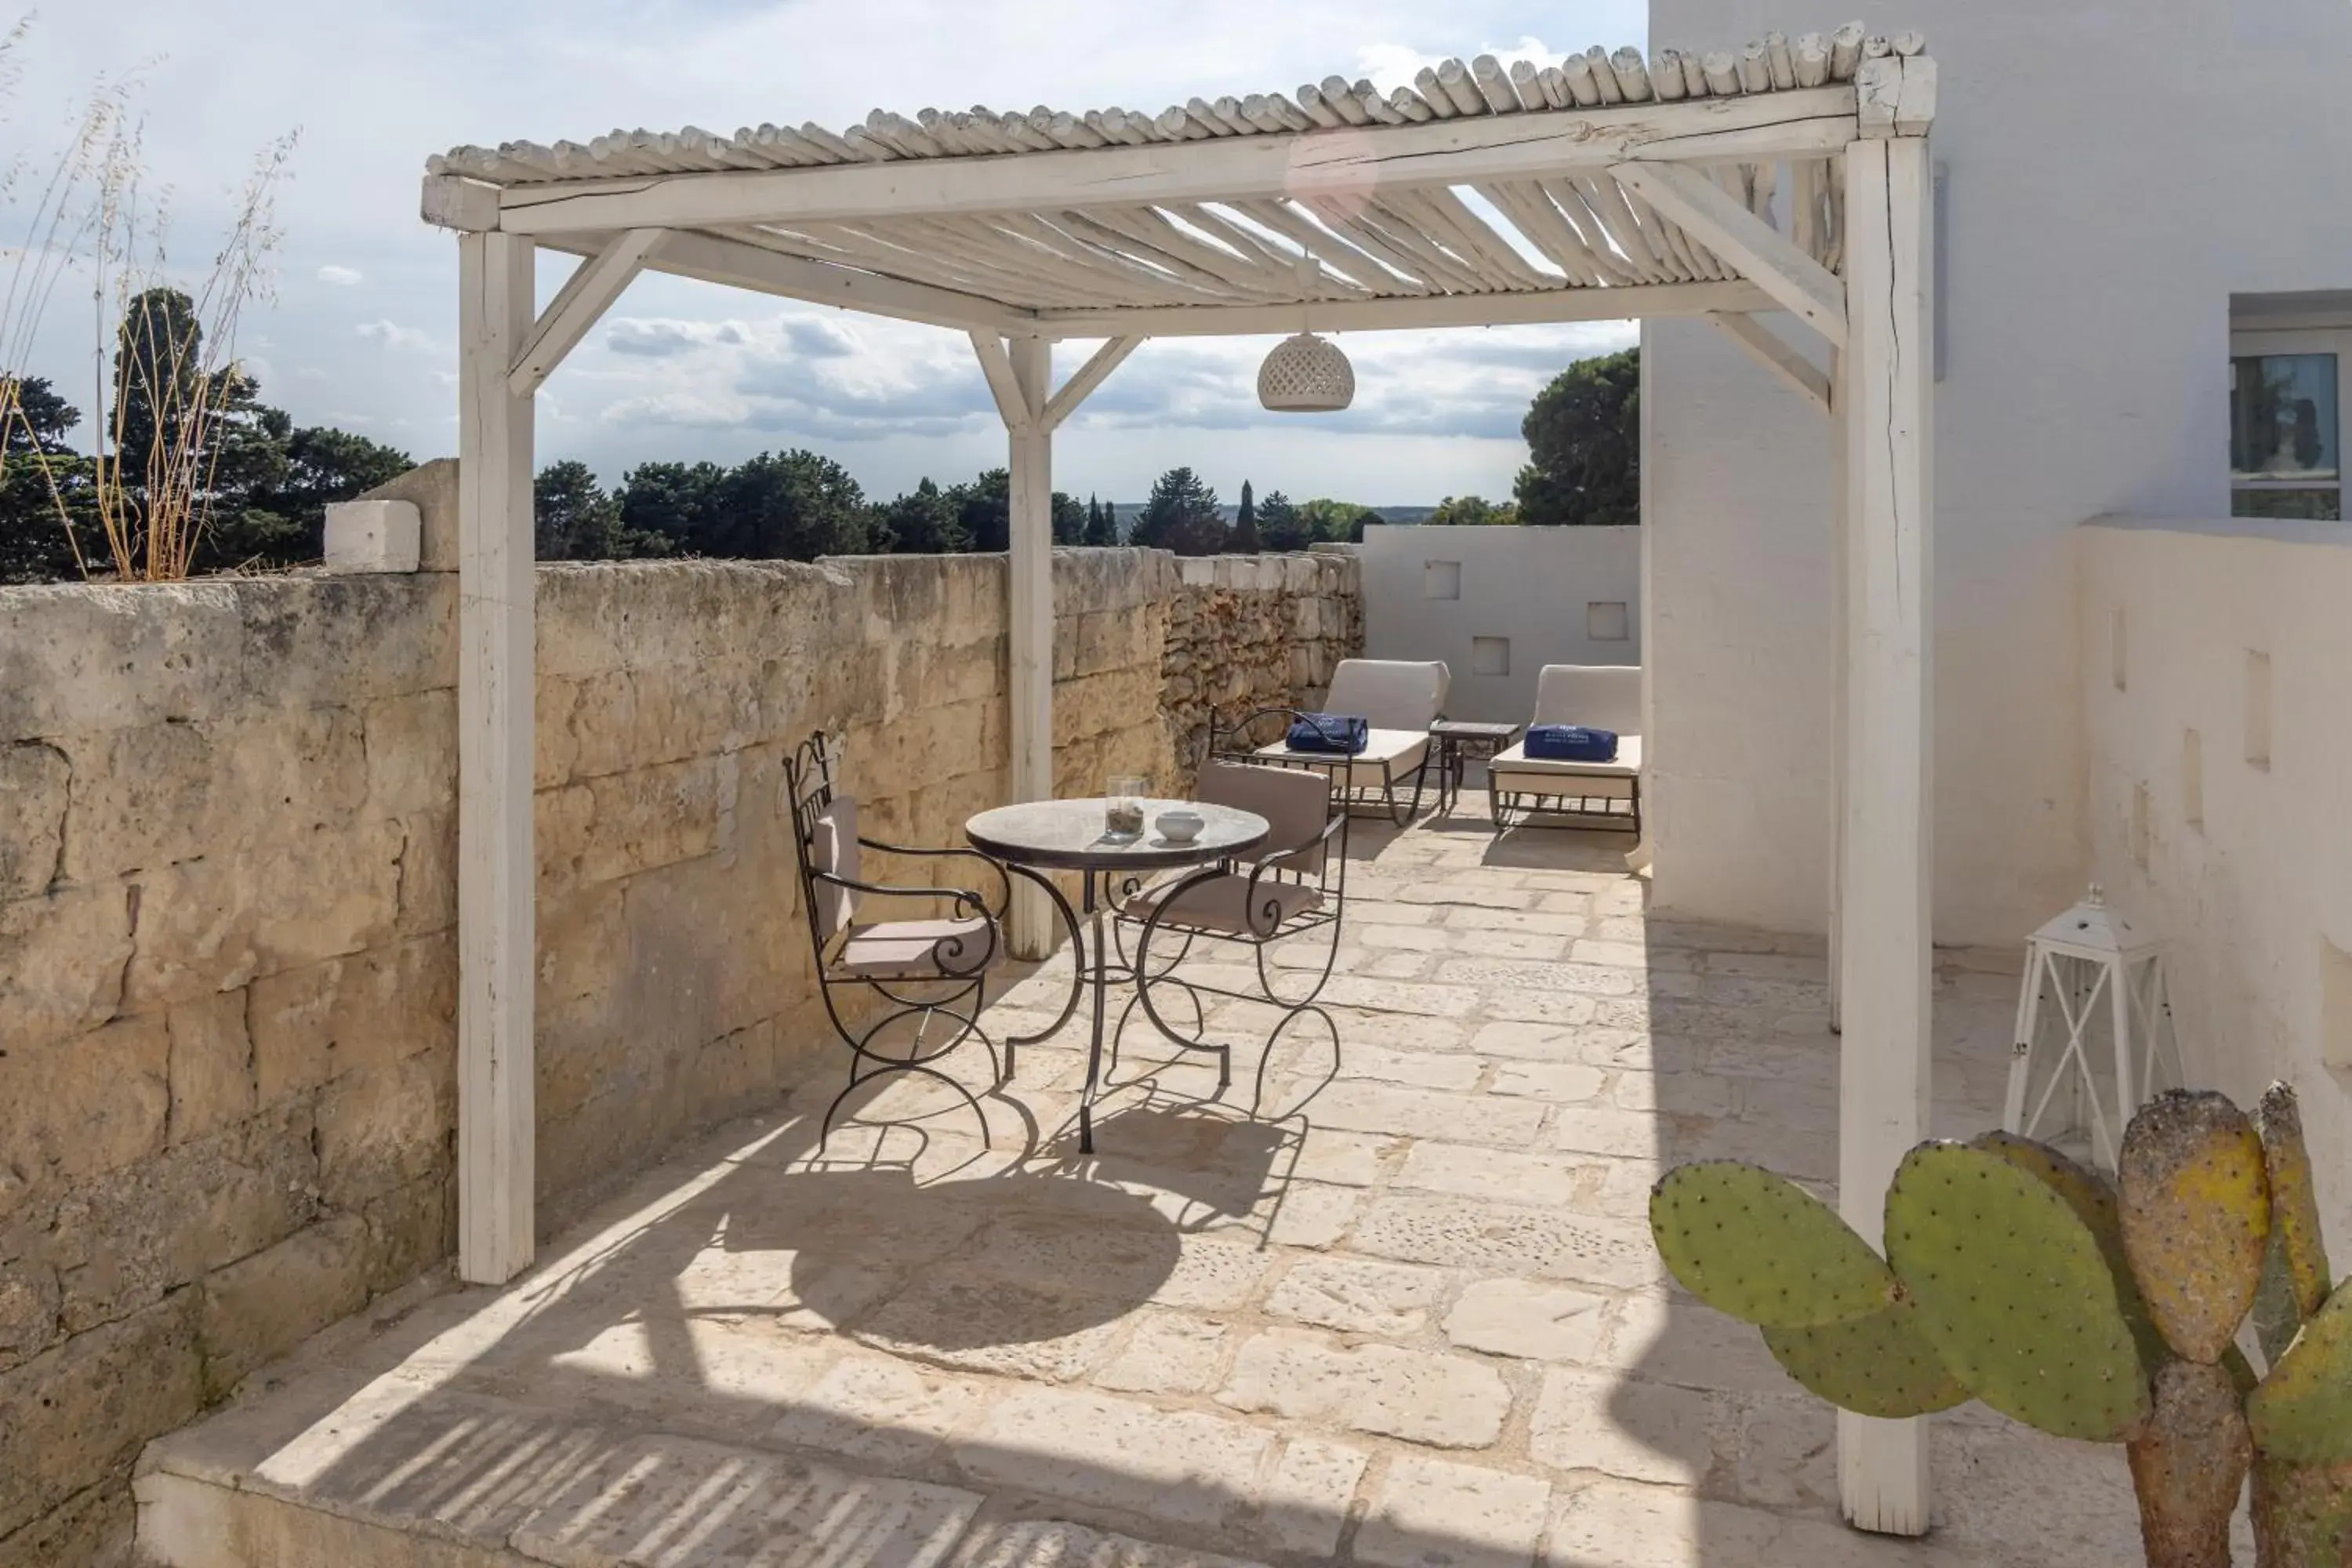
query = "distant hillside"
{"x": 1129, "y": 510}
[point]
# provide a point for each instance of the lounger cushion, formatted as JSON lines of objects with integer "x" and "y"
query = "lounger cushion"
{"x": 918, "y": 949}
{"x": 1402, "y": 750}
{"x": 1227, "y": 904}
{"x": 1529, "y": 774}
{"x": 1393, "y": 693}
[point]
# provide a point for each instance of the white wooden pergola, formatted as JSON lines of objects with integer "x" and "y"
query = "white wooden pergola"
{"x": 1783, "y": 177}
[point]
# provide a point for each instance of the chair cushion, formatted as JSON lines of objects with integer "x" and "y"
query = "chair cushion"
{"x": 1295, "y": 801}
{"x": 833, "y": 850}
{"x": 918, "y": 949}
{"x": 1515, "y": 760}
{"x": 1226, "y": 903}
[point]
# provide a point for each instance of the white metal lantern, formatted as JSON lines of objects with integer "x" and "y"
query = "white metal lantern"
{"x": 1306, "y": 375}
{"x": 2095, "y": 1035}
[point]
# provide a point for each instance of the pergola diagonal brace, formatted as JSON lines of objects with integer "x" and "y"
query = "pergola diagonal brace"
{"x": 1020, "y": 416}
{"x": 1777, "y": 354}
{"x": 1090, "y": 375}
{"x": 582, "y": 301}
{"x": 1763, "y": 255}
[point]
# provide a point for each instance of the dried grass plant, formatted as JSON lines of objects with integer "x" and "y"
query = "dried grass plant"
{"x": 86, "y": 213}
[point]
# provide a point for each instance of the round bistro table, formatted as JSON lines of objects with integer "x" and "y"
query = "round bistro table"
{"x": 1070, "y": 835}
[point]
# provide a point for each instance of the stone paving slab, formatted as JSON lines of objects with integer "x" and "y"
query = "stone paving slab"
{"x": 1398, "y": 1309}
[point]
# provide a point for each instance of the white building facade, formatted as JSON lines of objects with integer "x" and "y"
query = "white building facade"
{"x": 2130, "y": 199}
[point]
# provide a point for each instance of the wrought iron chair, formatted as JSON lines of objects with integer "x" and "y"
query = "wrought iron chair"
{"x": 932, "y": 970}
{"x": 1291, "y": 887}
{"x": 1400, "y": 700}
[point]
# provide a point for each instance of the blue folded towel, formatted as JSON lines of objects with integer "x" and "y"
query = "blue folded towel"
{"x": 1334, "y": 732}
{"x": 1572, "y": 744}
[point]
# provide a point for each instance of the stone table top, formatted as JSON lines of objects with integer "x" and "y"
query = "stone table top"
{"x": 1067, "y": 835}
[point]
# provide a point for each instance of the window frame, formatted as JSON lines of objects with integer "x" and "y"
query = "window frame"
{"x": 2249, "y": 339}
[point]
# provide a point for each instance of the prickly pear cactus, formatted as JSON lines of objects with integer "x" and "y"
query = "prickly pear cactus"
{"x": 1763, "y": 1249}
{"x": 2092, "y": 1199}
{"x": 2303, "y": 1514}
{"x": 1879, "y": 1365}
{"x": 2188, "y": 1466}
{"x": 2302, "y": 1413}
{"x": 2196, "y": 1217}
{"x": 2013, "y": 1293}
{"x": 2295, "y": 1203}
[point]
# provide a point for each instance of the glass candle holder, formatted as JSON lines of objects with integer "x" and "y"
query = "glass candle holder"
{"x": 1123, "y": 807}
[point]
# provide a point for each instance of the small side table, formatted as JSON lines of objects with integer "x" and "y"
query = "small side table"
{"x": 1458, "y": 741}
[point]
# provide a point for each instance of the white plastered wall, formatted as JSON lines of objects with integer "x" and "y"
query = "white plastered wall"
{"x": 1532, "y": 588}
{"x": 2087, "y": 340}
{"x": 2234, "y": 845}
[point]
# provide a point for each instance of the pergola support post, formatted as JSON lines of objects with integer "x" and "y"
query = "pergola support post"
{"x": 1885, "y": 937}
{"x": 1031, "y": 568}
{"x": 496, "y": 879}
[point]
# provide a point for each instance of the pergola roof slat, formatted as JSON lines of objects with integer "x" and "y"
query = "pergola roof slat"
{"x": 1479, "y": 180}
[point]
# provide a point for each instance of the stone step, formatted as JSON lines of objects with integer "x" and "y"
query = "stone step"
{"x": 407, "y": 1475}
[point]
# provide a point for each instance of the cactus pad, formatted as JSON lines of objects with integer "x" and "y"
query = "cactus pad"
{"x": 1762, "y": 1248}
{"x": 2092, "y": 1199}
{"x": 1879, "y": 1365}
{"x": 2196, "y": 1217}
{"x": 2189, "y": 1465}
{"x": 2294, "y": 1204}
{"x": 2013, "y": 1293}
{"x": 2303, "y": 1411}
{"x": 2303, "y": 1514}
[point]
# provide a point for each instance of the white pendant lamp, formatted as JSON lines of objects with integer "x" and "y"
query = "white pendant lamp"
{"x": 1306, "y": 375}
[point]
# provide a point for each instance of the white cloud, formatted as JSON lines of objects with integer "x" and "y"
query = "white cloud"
{"x": 719, "y": 373}
{"x": 392, "y": 335}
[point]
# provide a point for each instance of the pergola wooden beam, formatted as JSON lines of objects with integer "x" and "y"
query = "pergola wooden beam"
{"x": 1759, "y": 251}
{"x": 586, "y": 295}
{"x": 1528, "y": 307}
{"x": 1810, "y": 123}
{"x": 734, "y": 264}
{"x": 1777, "y": 354}
{"x": 497, "y": 890}
{"x": 1091, "y": 374}
{"x": 1885, "y": 916}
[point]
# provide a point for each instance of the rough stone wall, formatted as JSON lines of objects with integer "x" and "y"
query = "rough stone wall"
{"x": 1255, "y": 631}
{"x": 227, "y": 908}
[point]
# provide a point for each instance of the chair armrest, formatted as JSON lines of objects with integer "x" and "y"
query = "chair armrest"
{"x": 969, "y": 905}
{"x": 950, "y": 852}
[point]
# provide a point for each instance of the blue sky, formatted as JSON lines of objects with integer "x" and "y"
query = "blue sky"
{"x": 360, "y": 332}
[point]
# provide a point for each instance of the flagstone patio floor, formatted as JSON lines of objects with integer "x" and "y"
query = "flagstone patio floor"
{"x": 1406, "y": 1314}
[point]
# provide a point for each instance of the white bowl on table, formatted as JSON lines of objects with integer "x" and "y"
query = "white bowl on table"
{"x": 1178, "y": 827}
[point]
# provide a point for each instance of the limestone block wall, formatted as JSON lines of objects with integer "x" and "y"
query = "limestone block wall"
{"x": 228, "y": 909}
{"x": 1255, "y": 631}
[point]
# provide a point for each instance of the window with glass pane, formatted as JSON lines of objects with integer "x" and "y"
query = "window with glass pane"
{"x": 2285, "y": 442}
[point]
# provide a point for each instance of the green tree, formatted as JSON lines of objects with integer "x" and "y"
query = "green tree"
{"x": 986, "y": 507}
{"x": 1069, "y": 520}
{"x": 1280, "y": 524}
{"x": 1245, "y": 541}
{"x": 1336, "y": 522}
{"x": 1584, "y": 443}
{"x": 1102, "y": 524}
{"x": 1474, "y": 512}
{"x": 34, "y": 418}
{"x": 676, "y": 501}
{"x": 43, "y": 483}
{"x": 1183, "y": 514}
{"x": 925, "y": 521}
{"x": 787, "y": 506}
